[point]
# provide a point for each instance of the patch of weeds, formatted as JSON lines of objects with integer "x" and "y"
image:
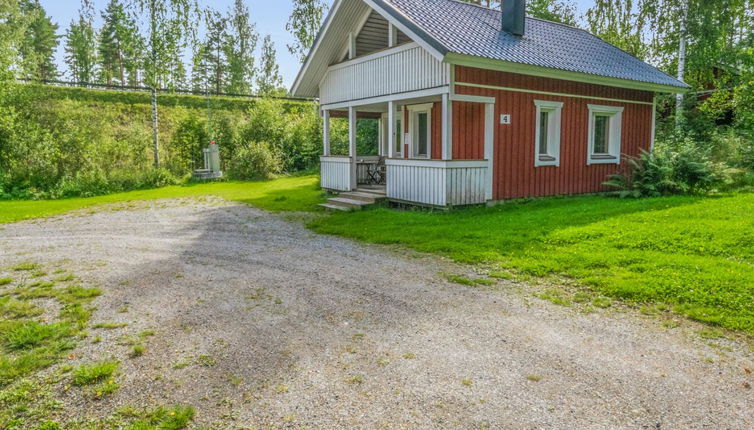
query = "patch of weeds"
{"x": 534, "y": 378}
{"x": 383, "y": 361}
{"x": 281, "y": 389}
{"x": 671, "y": 324}
{"x": 602, "y": 302}
{"x": 24, "y": 267}
{"x": 278, "y": 301}
{"x": 350, "y": 349}
{"x": 461, "y": 280}
{"x": 711, "y": 333}
{"x": 110, "y": 325}
{"x": 554, "y": 296}
{"x": 581, "y": 297}
{"x": 97, "y": 339}
{"x": 181, "y": 364}
{"x": 106, "y": 388}
{"x": 486, "y": 282}
{"x": 708, "y": 360}
{"x": 138, "y": 351}
{"x": 355, "y": 379}
{"x": 38, "y": 274}
{"x": 162, "y": 418}
{"x": 65, "y": 278}
{"x": 467, "y": 382}
{"x": 259, "y": 294}
{"x": 235, "y": 380}
{"x": 358, "y": 336}
{"x": 205, "y": 360}
{"x": 146, "y": 333}
{"x": 5, "y": 281}
{"x": 32, "y": 334}
{"x": 409, "y": 356}
{"x": 506, "y": 276}
{"x": 89, "y": 374}
{"x": 123, "y": 309}
{"x": 15, "y": 309}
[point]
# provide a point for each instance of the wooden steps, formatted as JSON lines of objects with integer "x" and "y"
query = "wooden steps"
{"x": 354, "y": 200}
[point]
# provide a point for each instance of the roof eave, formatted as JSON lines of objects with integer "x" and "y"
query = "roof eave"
{"x": 547, "y": 72}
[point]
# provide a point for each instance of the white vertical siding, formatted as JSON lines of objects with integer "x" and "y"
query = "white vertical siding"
{"x": 437, "y": 183}
{"x": 400, "y": 69}
{"x": 335, "y": 173}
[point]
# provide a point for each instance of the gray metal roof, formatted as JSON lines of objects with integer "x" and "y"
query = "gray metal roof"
{"x": 452, "y": 26}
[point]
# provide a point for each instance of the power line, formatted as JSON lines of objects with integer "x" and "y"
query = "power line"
{"x": 91, "y": 85}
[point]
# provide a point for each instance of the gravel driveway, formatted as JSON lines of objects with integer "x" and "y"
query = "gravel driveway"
{"x": 261, "y": 323}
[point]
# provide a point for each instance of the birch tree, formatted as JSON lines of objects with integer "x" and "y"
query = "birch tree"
{"x": 169, "y": 24}
{"x": 304, "y": 24}
{"x": 240, "y": 44}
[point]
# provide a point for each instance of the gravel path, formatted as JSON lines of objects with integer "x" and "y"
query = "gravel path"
{"x": 259, "y": 322}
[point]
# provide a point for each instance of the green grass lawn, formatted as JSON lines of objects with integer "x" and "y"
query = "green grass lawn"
{"x": 296, "y": 193}
{"x": 692, "y": 255}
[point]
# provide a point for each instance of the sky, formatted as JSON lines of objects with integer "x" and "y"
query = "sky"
{"x": 270, "y": 17}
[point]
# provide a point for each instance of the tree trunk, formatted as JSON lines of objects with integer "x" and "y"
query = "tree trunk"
{"x": 681, "y": 62}
{"x": 155, "y": 140}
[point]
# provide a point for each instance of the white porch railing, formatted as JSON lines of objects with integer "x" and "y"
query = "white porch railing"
{"x": 335, "y": 172}
{"x": 437, "y": 183}
{"x": 400, "y": 69}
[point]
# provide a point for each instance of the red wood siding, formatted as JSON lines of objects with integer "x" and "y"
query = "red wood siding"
{"x": 468, "y": 131}
{"x": 515, "y": 175}
{"x": 436, "y": 125}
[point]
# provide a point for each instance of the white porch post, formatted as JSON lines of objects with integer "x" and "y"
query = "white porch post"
{"x": 326, "y": 132}
{"x": 447, "y": 127}
{"x": 352, "y": 144}
{"x": 351, "y": 46}
{"x": 489, "y": 145}
{"x": 392, "y": 35}
{"x": 391, "y": 129}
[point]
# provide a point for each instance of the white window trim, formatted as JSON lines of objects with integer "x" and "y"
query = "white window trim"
{"x": 399, "y": 131}
{"x": 553, "y": 143}
{"x": 614, "y": 139}
{"x": 413, "y": 111}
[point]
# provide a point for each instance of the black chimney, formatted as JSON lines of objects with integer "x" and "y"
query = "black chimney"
{"x": 514, "y": 16}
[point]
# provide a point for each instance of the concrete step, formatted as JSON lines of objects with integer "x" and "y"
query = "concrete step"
{"x": 357, "y": 195}
{"x": 332, "y": 207}
{"x": 378, "y": 193}
{"x": 343, "y": 201}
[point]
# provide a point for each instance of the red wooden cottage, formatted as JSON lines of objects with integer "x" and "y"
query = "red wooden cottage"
{"x": 477, "y": 104}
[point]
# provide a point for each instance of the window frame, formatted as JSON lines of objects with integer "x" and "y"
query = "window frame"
{"x": 413, "y": 129}
{"x": 613, "y": 154}
{"x": 553, "y": 110}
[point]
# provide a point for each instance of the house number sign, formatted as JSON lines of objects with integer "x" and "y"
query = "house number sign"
{"x": 505, "y": 118}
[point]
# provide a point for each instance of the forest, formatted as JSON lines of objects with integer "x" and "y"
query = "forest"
{"x": 61, "y": 142}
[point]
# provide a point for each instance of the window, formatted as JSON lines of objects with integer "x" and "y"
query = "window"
{"x": 547, "y": 133}
{"x": 398, "y": 136}
{"x": 604, "y": 134}
{"x": 420, "y": 130}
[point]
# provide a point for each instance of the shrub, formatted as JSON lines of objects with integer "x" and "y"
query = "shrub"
{"x": 255, "y": 160}
{"x": 670, "y": 169}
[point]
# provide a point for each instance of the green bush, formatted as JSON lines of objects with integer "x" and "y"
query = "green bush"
{"x": 255, "y": 160}
{"x": 672, "y": 168}
{"x": 64, "y": 142}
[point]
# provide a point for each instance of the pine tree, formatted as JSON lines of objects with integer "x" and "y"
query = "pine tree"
{"x": 80, "y": 45}
{"x": 304, "y": 24}
{"x": 120, "y": 46}
{"x": 39, "y": 43}
{"x": 269, "y": 81}
{"x": 214, "y": 51}
{"x": 240, "y": 44}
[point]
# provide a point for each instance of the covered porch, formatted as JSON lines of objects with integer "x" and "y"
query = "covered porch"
{"x": 416, "y": 143}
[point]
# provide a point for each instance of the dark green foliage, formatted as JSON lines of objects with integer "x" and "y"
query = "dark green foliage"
{"x": 61, "y": 142}
{"x": 254, "y": 160}
{"x": 680, "y": 169}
